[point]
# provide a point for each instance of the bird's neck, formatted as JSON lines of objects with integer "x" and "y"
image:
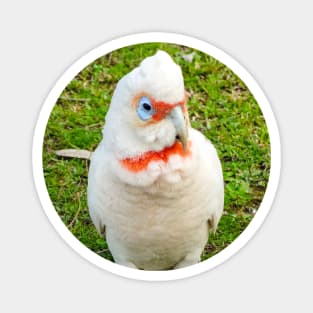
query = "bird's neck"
{"x": 140, "y": 162}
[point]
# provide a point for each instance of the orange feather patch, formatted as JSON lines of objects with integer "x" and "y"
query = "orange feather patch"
{"x": 161, "y": 108}
{"x": 140, "y": 163}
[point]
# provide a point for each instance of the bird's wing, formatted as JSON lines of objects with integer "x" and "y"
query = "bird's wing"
{"x": 211, "y": 166}
{"x": 97, "y": 198}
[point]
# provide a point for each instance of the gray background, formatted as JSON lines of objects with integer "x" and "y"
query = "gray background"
{"x": 39, "y": 40}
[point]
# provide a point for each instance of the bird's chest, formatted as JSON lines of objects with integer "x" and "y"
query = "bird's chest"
{"x": 156, "y": 200}
{"x": 156, "y": 229}
{"x": 162, "y": 213}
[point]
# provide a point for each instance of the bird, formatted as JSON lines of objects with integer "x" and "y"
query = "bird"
{"x": 155, "y": 184}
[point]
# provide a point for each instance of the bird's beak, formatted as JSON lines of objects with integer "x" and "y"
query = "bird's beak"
{"x": 180, "y": 123}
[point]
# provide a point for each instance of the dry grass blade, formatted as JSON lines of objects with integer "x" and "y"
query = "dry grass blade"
{"x": 74, "y": 153}
{"x": 70, "y": 225}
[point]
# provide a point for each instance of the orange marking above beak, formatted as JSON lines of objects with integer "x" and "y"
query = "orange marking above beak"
{"x": 161, "y": 108}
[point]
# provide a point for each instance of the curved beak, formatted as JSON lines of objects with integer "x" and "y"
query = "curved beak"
{"x": 178, "y": 119}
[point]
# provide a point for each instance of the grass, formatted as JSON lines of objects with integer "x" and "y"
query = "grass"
{"x": 219, "y": 105}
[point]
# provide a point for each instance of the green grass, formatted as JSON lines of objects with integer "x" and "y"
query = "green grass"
{"x": 219, "y": 105}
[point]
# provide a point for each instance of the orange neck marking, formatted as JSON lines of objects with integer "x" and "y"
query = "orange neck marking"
{"x": 140, "y": 163}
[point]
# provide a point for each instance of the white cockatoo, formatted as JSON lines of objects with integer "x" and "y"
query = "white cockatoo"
{"x": 155, "y": 185}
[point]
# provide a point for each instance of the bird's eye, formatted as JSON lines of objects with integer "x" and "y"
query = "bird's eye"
{"x": 145, "y": 109}
{"x": 147, "y": 106}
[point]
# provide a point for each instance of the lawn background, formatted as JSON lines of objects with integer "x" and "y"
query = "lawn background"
{"x": 219, "y": 105}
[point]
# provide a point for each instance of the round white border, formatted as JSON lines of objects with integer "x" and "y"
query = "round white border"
{"x": 174, "y": 39}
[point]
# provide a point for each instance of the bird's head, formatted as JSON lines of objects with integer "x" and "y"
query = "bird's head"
{"x": 148, "y": 109}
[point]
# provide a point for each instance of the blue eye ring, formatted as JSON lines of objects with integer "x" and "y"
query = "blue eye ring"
{"x": 145, "y": 109}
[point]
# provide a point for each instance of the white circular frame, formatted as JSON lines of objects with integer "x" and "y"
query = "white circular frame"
{"x": 172, "y": 38}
